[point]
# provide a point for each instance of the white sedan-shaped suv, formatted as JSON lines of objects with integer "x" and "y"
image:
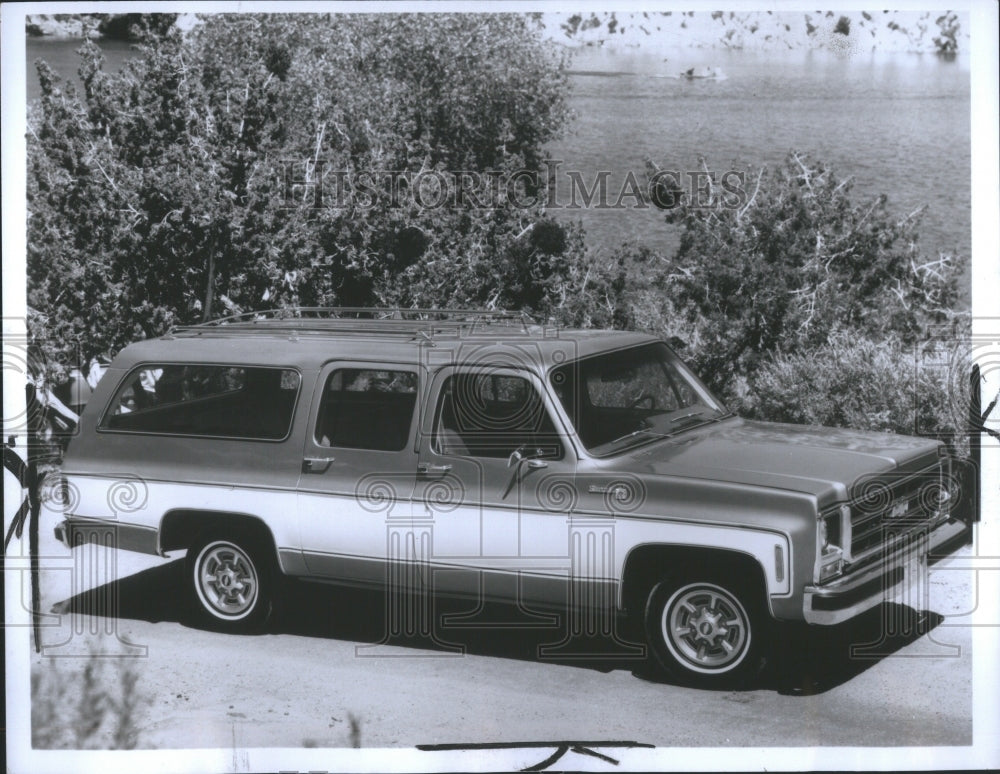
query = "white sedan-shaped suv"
{"x": 480, "y": 454}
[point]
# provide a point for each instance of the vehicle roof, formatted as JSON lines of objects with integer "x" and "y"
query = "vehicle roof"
{"x": 308, "y": 344}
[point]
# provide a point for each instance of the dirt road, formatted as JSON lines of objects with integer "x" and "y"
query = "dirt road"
{"x": 325, "y": 679}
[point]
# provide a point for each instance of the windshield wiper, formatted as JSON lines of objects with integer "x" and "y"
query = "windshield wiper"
{"x": 632, "y": 434}
{"x": 693, "y": 415}
{"x": 649, "y": 430}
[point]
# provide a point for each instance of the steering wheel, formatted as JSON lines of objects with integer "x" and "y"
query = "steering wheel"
{"x": 644, "y": 398}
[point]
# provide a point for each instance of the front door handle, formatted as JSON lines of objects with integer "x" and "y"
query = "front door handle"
{"x": 316, "y": 464}
{"x": 425, "y": 468}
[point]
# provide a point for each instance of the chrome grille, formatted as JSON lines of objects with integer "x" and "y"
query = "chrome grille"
{"x": 885, "y": 507}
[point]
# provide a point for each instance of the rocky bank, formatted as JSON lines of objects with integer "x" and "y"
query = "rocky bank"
{"x": 116, "y": 26}
{"x": 845, "y": 31}
{"x": 943, "y": 32}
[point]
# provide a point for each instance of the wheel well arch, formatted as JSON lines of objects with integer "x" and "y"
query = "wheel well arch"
{"x": 180, "y": 528}
{"x": 647, "y": 564}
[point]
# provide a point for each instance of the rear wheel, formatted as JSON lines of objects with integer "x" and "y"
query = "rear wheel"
{"x": 706, "y": 631}
{"x": 232, "y": 581}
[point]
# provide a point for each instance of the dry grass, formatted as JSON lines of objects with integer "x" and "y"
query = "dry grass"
{"x": 88, "y": 708}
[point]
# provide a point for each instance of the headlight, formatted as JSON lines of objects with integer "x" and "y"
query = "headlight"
{"x": 829, "y": 531}
{"x": 829, "y": 550}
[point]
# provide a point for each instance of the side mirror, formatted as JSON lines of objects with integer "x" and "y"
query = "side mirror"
{"x": 515, "y": 457}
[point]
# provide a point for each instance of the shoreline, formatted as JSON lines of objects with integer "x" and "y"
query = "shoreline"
{"x": 97, "y": 26}
{"x": 846, "y": 32}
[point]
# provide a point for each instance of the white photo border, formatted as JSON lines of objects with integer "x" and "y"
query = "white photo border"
{"x": 985, "y": 750}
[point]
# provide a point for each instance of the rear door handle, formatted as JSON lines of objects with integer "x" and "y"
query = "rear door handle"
{"x": 425, "y": 468}
{"x": 316, "y": 464}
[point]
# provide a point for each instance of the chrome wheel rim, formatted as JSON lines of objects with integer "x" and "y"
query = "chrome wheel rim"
{"x": 226, "y": 580}
{"x": 706, "y": 628}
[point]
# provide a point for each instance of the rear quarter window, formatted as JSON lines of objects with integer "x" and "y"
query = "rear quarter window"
{"x": 205, "y": 400}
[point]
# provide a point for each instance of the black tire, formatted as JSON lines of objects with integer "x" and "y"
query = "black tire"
{"x": 709, "y": 631}
{"x": 232, "y": 580}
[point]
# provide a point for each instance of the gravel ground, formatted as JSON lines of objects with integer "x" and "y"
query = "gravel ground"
{"x": 323, "y": 679}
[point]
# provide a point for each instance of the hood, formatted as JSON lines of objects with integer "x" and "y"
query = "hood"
{"x": 820, "y": 461}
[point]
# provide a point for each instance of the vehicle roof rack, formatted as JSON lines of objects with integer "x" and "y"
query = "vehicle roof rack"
{"x": 381, "y": 321}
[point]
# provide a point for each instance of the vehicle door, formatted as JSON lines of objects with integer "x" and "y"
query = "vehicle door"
{"x": 358, "y": 468}
{"x": 494, "y": 487}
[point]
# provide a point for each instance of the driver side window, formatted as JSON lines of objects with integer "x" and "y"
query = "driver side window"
{"x": 493, "y": 415}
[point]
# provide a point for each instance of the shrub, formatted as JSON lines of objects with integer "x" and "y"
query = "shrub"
{"x": 865, "y": 385}
{"x": 946, "y": 43}
{"x": 158, "y": 195}
{"x": 93, "y": 710}
{"x": 795, "y": 261}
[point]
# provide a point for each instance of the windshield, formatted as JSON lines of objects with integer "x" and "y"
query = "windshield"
{"x": 625, "y": 398}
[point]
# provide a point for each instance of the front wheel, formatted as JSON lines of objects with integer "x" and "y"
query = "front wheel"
{"x": 705, "y": 631}
{"x": 232, "y": 583}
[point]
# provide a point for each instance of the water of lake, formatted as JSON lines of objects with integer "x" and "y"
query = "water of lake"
{"x": 898, "y": 123}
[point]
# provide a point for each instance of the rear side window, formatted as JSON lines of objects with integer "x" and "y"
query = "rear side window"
{"x": 367, "y": 408}
{"x": 206, "y": 400}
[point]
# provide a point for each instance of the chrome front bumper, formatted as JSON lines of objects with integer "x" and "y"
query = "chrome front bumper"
{"x": 858, "y": 591}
